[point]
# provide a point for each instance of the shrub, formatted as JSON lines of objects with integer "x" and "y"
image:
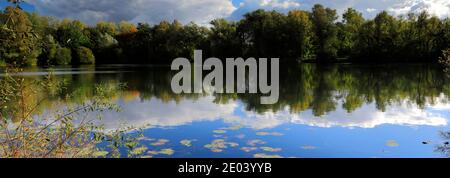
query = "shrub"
{"x": 64, "y": 133}
{"x": 63, "y": 56}
{"x": 84, "y": 56}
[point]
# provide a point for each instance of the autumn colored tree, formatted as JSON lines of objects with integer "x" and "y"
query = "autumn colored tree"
{"x": 19, "y": 43}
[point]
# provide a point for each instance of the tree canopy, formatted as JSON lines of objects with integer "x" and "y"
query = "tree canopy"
{"x": 317, "y": 35}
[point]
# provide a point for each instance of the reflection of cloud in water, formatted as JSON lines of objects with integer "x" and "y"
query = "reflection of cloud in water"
{"x": 440, "y": 104}
{"x": 368, "y": 117}
{"x": 157, "y": 113}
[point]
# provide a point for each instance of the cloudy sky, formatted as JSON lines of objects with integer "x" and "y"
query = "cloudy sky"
{"x": 202, "y": 11}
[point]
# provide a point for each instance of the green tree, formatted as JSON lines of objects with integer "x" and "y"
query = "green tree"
{"x": 49, "y": 49}
{"x": 223, "y": 39}
{"x": 428, "y": 30}
{"x": 71, "y": 34}
{"x": 386, "y": 32}
{"x": 300, "y": 28}
{"x": 352, "y": 21}
{"x": 83, "y": 55}
{"x": 264, "y": 34}
{"x": 63, "y": 56}
{"x": 190, "y": 38}
{"x": 326, "y": 32}
{"x": 104, "y": 46}
{"x": 379, "y": 38}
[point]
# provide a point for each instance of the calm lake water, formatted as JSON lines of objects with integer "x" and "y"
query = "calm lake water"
{"x": 328, "y": 111}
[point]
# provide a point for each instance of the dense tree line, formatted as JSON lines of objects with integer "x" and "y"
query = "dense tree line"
{"x": 298, "y": 35}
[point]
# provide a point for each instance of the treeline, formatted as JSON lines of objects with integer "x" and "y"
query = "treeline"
{"x": 317, "y": 35}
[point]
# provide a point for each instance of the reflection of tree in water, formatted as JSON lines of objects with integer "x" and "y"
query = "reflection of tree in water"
{"x": 444, "y": 148}
{"x": 321, "y": 89}
{"x": 307, "y": 86}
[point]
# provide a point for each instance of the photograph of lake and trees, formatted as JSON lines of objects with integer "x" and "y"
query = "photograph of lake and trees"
{"x": 349, "y": 78}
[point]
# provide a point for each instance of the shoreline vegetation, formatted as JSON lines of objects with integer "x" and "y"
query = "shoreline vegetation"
{"x": 304, "y": 36}
{"x": 27, "y": 131}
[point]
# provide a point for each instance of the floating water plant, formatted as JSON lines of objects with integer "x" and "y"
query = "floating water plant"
{"x": 262, "y": 155}
{"x": 160, "y": 142}
{"x": 270, "y": 149}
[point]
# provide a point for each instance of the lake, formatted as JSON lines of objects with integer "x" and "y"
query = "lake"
{"x": 363, "y": 111}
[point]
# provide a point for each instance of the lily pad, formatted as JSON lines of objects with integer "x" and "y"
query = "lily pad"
{"x": 145, "y": 139}
{"x": 186, "y": 142}
{"x": 138, "y": 150}
{"x": 167, "y": 151}
{"x": 220, "y": 131}
{"x": 249, "y": 149}
{"x": 153, "y": 152}
{"x": 100, "y": 154}
{"x": 269, "y": 134}
{"x": 270, "y": 149}
{"x": 256, "y": 142}
{"x": 234, "y": 127}
{"x": 262, "y": 155}
{"x": 233, "y": 144}
{"x": 219, "y": 136}
{"x": 219, "y": 145}
{"x": 160, "y": 142}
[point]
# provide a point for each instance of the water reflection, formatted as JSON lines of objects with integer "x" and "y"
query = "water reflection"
{"x": 345, "y": 95}
{"x": 335, "y": 96}
{"x": 156, "y": 112}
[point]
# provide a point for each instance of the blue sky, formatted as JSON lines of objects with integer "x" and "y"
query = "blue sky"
{"x": 203, "y": 11}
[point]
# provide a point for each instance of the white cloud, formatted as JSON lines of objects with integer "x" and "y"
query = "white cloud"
{"x": 279, "y": 3}
{"x": 153, "y": 11}
{"x": 203, "y": 11}
{"x": 370, "y": 10}
{"x": 439, "y": 8}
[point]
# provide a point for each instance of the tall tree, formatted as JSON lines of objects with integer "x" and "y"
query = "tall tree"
{"x": 19, "y": 43}
{"x": 264, "y": 33}
{"x": 352, "y": 21}
{"x": 223, "y": 39}
{"x": 107, "y": 28}
{"x": 326, "y": 32}
{"x": 379, "y": 38}
{"x": 71, "y": 34}
{"x": 300, "y": 30}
